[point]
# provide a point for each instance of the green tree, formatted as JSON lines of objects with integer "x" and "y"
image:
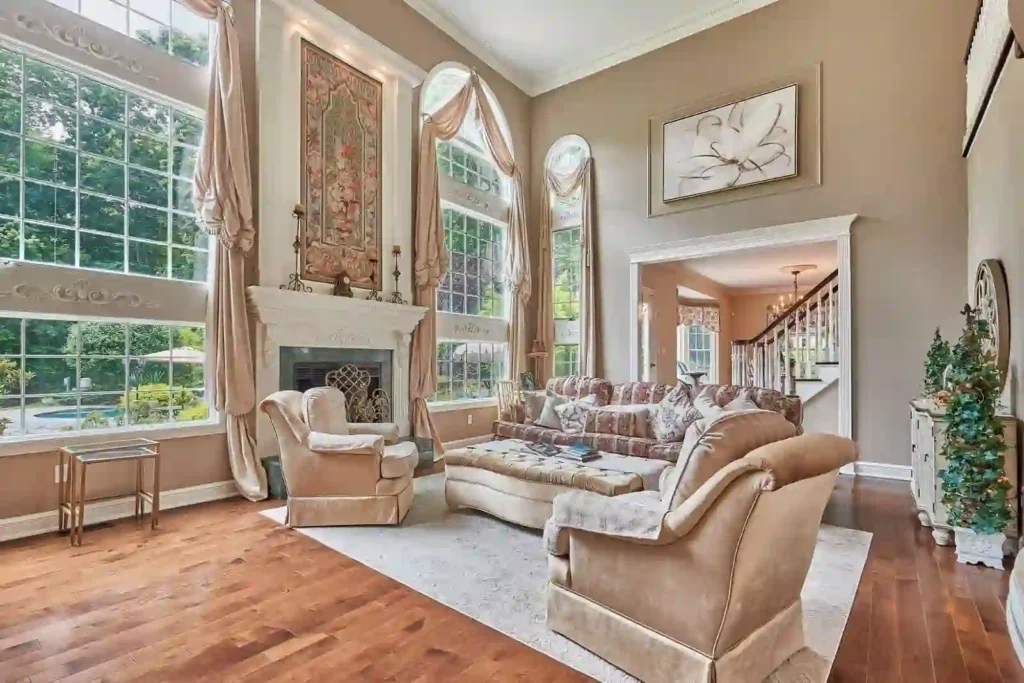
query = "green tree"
{"x": 194, "y": 49}
{"x": 974, "y": 483}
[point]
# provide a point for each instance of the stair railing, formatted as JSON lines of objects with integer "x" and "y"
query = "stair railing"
{"x": 791, "y": 347}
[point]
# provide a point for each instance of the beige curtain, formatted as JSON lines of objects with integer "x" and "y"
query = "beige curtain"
{"x": 563, "y": 186}
{"x": 431, "y": 261}
{"x": 223, "y": 197}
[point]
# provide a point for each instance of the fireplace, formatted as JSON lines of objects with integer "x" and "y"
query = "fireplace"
{"x": 303, "y": 368}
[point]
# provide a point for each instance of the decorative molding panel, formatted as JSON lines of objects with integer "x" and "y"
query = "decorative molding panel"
{"x": 60, "y": 290}
{"x": 989, "y": 46}
{"x": 487, "y": 205}
{"x": 460, "y": 327}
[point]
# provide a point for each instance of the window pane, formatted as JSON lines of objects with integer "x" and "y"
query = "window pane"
{"x": 51, "y": 414}
{"x": 146, "y": 258}
{"x": 188, "y": 264}
{"x": 101, "y": 252}
{"x": 190, "y": 36}
{"x": 100, "y": 137}
{"x": 10, "y": 417}
{"x": 188, "y": 375}
{"x": 102, "y": 374}
{"x": 10, "y": 196}
{"x": 148, "y": 116}
{"x": 148, "y": 223}
{"x": 187, "y": 231}
{"x": 185, "y": 160}
{"x": 10, "y": 70}
{"x": 100, "y": 213}
{"x": 48, "y": 122}
{"x": 10, "y": 339}
{"x": 187, "y": 129}
{"x": 107, "y": 13}
{"x": 149, "y": 151}
{"x": 102, "y": 339}
{"x": 189, "y": 338}
{"x": 101, "y": 175}
{"x": 159, "y": 10}
{"x": 49, "y": 163}
{"x": 104, "y": 101}
{"x": 147, "y": 187}
{"x": 147, "y": 339}
{"x": 46, "y": 244}
{"x": 100, "y": 411}
{"x": 50, "y": 375}
{"x": 10, "y": 154}
{"x": 10, "y": 111}
{"x": 51, "y": 83}
{"x": 10, "y": 239}
{"x": 50, "y": 204}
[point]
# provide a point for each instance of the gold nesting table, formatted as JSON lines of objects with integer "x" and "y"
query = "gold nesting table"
{"x": 73, "y": 465}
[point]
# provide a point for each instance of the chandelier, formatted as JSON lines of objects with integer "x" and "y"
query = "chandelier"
{"x": 786, "y": 301}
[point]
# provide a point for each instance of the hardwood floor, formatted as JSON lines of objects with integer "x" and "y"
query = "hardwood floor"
{"x": 223, "y": 594}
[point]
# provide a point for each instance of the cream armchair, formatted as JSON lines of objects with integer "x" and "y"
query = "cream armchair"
{"x": 700, "y": 582}
{"x": 339, "y": 473}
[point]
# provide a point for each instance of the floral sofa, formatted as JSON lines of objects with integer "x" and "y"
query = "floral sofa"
{"x": 607, "y": 437}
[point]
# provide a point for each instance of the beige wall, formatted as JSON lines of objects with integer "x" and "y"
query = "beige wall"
{"x": 28, "y": 480}
{"x": 749, "y": 313}
{"x": 995, "y": 172}
{"x": 893, "y": 117}
{"x": 663, "y": 279}
{"x": 454, "y": 425}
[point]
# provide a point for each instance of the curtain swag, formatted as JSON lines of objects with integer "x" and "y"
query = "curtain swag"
{"x": 431, "y": 258}
{"x": 563, "y": 186}
{"x": 223, "y": 197}
{"x": 702, "y": 316}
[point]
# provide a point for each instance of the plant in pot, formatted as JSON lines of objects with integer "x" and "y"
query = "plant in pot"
{"x": 936, "y": 361}
{"x": 974, "y": 482}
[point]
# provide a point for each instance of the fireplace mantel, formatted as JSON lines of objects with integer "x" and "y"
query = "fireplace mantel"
{"x": 286, "y": 318}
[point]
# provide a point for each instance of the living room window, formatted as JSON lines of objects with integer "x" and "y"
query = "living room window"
{"x": 566, "y": 230}
{"x": 102, "y": 325}
{"x": 163, "y": 24}
{"x": 472, "y": 306}
{"x": 698, "y": 350}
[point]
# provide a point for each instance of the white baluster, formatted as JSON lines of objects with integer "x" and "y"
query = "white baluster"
{"x": 833, "y": 355}
{"x": 817, "y": 331}
{"x": 809, "y": 367}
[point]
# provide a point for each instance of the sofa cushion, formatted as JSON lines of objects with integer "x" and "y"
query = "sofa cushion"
{"x": 577, "y": 386}
{"x": 609, "y": 443}
{"x": 789, "y": 407}
{"x": 742, "y": 402}
{"x": 671, "y": 418}
{"x": 619, "y": 420}
{"x": 323, "y": 410}
{"x": 573, "y": 414}
{"x": 713, "y": 443}
{"x": 533, "y": 402}
{"x": 639, "y": 393}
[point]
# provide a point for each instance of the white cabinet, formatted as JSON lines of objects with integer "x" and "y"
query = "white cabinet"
{"x": 927, "y": 434}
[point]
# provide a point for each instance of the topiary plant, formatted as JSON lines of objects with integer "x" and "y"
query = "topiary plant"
{"x": 935, "y": 363}
{"x": 974, "y": 483}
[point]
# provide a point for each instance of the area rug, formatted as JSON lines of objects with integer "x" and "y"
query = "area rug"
{"x": 497, "y": 573}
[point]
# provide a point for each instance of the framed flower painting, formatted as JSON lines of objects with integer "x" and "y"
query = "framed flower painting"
{"x": 747, "y": 142}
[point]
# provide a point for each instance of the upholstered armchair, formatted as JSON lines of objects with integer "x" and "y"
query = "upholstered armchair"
{"x": 701, "y": 581}
{"x": 339, "y": 473}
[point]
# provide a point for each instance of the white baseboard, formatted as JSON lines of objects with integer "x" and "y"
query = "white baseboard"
{"x": 115, "y": 508}
{"x": 878, "y": 470}
{"x": 471, "y": 441}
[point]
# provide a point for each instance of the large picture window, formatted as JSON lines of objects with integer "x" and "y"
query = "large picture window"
{"x": 471, "y": 298}
{"x": 95, "y": 176}
{"x": 697, "y": 350}
{"x": 59, "y": 376}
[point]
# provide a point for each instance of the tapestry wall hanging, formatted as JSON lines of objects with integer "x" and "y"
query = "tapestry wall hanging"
{"x": 341, "y": 156}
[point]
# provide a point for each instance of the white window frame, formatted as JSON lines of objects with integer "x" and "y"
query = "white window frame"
{"x": 34, "y": 290}
{"x": 683, "y": 349}
{"x": 566, "y": 332}
{"x": 474, "y": 203}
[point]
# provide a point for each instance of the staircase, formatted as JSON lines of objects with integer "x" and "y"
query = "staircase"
{"x": 798, "y": 352}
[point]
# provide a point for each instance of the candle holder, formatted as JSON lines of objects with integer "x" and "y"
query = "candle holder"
{"x": 295, "y": 283}
{"x": 396, "y": 296}
{"x": 374, "y": 294}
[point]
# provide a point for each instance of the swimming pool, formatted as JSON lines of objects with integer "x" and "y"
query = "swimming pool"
{"x": 72, "y": 413}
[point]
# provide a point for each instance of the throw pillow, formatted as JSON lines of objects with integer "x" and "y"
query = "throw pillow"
{"x": 705, "y": 404}
{"x": 671, "y": 417}
{"x": 548, "y": 417}
{"x": 573, "y": 414}
{"x": 534, "y": 401}
{"x": 741, "y": 402}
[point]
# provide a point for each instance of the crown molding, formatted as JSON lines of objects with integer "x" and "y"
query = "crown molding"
{"x": 482, "y": 50}
{"x": 690, "y": 24}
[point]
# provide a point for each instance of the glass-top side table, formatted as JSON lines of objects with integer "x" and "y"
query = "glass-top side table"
{"x": 74, "y": 463}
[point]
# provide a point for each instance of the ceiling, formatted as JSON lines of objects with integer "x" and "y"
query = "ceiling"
{"x": 759, "y": 270}
{"x": 540, "y": 45}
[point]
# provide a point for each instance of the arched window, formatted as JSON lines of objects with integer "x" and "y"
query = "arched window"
{"x": 564, "y": 158}
{"x": 473, "y": 298}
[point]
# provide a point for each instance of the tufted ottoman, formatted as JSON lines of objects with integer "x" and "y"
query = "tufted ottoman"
{"x": 507, "y": 480}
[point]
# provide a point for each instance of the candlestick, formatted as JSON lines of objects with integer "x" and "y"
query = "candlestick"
{"x": 295, "y": 280}
{"x": 396, "y": 296}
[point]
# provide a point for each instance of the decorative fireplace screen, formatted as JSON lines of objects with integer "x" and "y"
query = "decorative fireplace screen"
{"x": 362, "y": 404}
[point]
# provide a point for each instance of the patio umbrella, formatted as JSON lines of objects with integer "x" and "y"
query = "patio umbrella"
{"x": 181, "y": 354}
